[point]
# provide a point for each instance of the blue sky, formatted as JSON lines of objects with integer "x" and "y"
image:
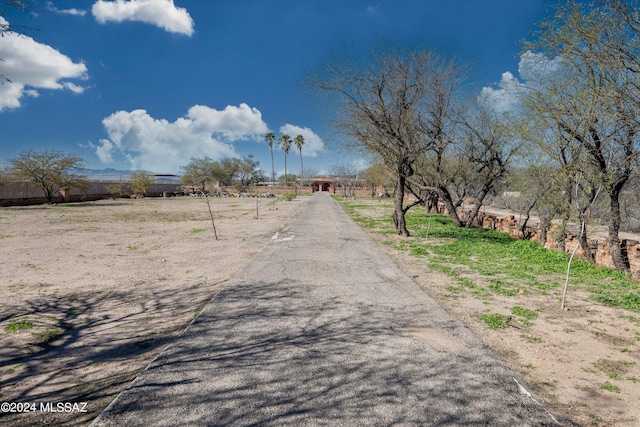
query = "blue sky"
{"x": 148, "y": 84}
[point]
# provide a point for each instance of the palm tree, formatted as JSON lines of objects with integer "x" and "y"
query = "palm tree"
{"x": 299, "y": 140}
{"x": 270, "y": 137}
{"x": 285, "y": 144}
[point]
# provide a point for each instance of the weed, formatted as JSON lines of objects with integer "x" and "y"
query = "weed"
{"x": 524, "y": 312}
{"x": 632, "y": 319}
{"x": 503, "y": 287}
{"x": 17, "y": 325}
{"x": 527, "y": 314}
{"x": 495, "y": 321}
{"x": 530, "y": 366}
{"x": 595, "y": 419}
{"x": 197, "y": 230}
{"x": 610, "y": 387}
{"x": 568, "y": 330}
{"x": 16, "y": 288}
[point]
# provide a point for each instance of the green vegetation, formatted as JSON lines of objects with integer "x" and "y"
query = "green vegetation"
{"x": 610, "y": 387}
{"x": 495, "y": 321}
{"x": 486, "y": 262}
{"x": 16, "y": 325}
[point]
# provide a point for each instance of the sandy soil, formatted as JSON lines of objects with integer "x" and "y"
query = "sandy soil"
{"x": 92, "y": 292}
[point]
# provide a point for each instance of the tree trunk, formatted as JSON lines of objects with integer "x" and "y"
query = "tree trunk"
{"x": 584, "y": 243}
{"x": 398, "y": 211}
{"x": 448, "y": 202}
{"x": 477, "y": 204}
{"x": 273, "y": 169}
{"x": 562, "y": 236}
{"x": 431, "y": 204}
{"x": 617, "y": 255}
{"x": 544, "y": 227}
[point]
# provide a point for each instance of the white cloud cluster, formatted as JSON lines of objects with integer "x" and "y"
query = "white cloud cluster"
{"x": 313, "y": 144}
{"x": 161, "y": 13}
{"x": 162, "y": 146}
{"x": 533, "y": 68}
{"x": 30, "y": 66}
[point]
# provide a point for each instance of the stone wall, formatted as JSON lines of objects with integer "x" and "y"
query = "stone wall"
{"x": 601, "y": 249}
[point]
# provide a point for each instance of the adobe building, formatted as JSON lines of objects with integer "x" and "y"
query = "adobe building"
{"x": 322, "y": 184}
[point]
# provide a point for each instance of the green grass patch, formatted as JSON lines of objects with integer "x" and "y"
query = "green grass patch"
{"x": 524, "y": 312}
{"x": 16, "y": 325}
{"x": 610, "y": 387}
{"x": 503, "y": 287}
{"x": 495, "y": 321}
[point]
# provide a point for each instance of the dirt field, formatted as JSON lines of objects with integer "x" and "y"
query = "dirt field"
{"x": 92, "y": 292}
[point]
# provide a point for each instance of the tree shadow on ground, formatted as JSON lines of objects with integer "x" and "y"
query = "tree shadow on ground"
{"x": 80, "y": 349}
{"x": 260, "y": 355}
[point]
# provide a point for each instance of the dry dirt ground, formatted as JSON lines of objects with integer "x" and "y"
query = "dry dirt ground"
{"x": 92, "y": 292}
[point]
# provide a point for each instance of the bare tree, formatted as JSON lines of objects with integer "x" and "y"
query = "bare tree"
{"x": 391, "y": 103}
{"x": 345, "y": 176}
{"x": 469, "y": 158}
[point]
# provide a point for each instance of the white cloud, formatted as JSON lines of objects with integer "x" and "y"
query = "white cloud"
{"x": 533, "y": 68}
{"x": 313, "y": 144}
{"x": 73, "y": 11}
{"x": 161, "y": 13}
{"x": 162, "y": 146}
{"x": 30, "y": 66}
{"x": 505, "y": 97}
